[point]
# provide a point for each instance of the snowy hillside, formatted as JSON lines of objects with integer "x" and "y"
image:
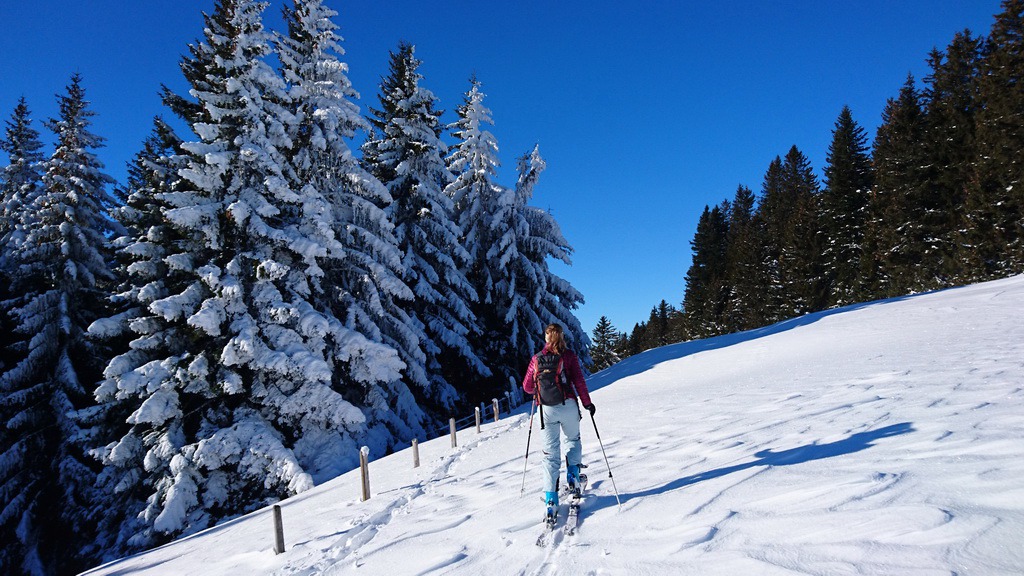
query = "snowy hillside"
{"x": 878, "y": 439}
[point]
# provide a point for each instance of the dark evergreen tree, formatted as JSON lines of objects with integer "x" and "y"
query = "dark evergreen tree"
{"x": 59, "y": 273}
{"x": 706, "y": 291}
{"x": 637, "y": 341}
{"x": 772, "y": 216}
{"x": 745, "y": 272}
{"x": 800, "y": 263}
{"x": 20, "y": 184}
{"x": 848, "y": 181}
{"x": 892, "y": 266}
{"x": 995, "y": 203}
{"x": 604, "y": 345}
{"x": 657, "y": 331}
{"x": 621, "y": 347}
{"x": 950, "y": 103}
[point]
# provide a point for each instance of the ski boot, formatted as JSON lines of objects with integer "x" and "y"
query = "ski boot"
{"x": 575, "y": 481}
{"x": 551, "y": 512}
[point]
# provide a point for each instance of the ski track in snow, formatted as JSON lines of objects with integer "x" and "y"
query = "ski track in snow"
{"x": 879, "y": 439}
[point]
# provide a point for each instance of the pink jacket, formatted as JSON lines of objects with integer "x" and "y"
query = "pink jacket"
{"x": 571, "y": 367}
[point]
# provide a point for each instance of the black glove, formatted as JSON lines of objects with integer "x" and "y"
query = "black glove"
{"x": 591, "y": 408}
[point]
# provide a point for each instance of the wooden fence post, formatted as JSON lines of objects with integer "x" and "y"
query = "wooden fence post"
{"x": 415, "y": 453}
{"x": 451, "y": 424}
{"x": 494, "y": 404}
{"x": 364, "y": 470}
{"x": 278, "y": 531}
{"x": 477, "y": 419}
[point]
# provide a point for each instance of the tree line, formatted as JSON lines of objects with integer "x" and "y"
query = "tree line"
{"x": 258, "y": 300}
{"x": 936, "y": 201}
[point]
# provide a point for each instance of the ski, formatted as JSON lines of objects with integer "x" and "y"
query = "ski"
{"x": 550, "y": 521}
{"x": 576, "y": 499}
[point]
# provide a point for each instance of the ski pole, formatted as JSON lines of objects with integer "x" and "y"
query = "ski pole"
{"x": 606, "y": 460}
{"x": 527, "y": 457}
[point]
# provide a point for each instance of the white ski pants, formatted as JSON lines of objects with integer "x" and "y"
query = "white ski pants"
{"x": 564, "y": 419}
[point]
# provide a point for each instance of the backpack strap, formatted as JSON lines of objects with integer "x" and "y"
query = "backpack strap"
{"x": 558, "y": 378}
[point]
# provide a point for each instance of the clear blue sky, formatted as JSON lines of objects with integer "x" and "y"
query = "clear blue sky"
{"x": 645, "y": 110}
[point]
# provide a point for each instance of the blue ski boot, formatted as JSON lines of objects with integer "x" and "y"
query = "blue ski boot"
{"x": 551, "y": 513}
{"x": 572, "y": 479}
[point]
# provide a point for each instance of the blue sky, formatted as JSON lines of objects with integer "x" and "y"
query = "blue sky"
{"x": 645, "y": 111}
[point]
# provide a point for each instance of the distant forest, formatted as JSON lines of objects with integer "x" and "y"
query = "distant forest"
{"x": 936, "y": 201}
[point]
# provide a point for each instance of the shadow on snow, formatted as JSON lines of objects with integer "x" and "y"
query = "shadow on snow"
{"x": 855, "y": 443}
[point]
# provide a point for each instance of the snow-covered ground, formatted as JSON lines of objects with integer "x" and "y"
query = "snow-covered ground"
{"x": 885, "y": 438}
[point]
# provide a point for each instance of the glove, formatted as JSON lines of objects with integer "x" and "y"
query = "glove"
{"x": 591, "y": 408}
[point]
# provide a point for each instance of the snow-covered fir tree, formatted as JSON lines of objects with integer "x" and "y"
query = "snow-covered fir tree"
{"x": 232, "y": 382}
{"x": 478, "y": 198}
{"x": 553, "y": 297}
{"x": 20, "y": 183}
{"x": 508, "y": 242}
{"x": 407, "y": 155}
{"x": 142, "y": 337}
{"x": 58, "y": 271}
{"x": 20, "y": 180}
{"x": 376, "y": 351}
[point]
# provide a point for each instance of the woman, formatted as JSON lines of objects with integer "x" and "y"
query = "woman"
{"x": 555, "y": 380}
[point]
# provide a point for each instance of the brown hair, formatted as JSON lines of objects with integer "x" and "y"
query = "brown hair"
{"x": 555, "y": 338}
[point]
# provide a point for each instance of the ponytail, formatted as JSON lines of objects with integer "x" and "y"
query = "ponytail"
{"x": 555, "y": 338}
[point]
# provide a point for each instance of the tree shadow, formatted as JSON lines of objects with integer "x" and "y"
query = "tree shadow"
{"x": 855, "y": 443}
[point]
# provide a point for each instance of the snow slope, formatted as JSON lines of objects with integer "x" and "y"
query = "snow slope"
{"x": 883, "y": 438}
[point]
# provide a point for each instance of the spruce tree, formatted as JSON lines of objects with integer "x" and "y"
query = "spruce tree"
{"x": 659, "y": 325}
{"x": 260, "y": 363}
{"x": 800, "y": 266}
{"x": 553, "y": 298}
{"x": 20, "y": 183}
{"x": 893, "y": 266}
{"x": 142, "y": 337}
{"x": 772, "y": 214}
{"x": 706, "y": 291}
{"x": 792, "y": 266}
{"x": 58, "y": 272}
{"x": 478, "y": 199}
{"x": 407, "y": 155}
{"x": 637, "y": 341}
{"x": 745, "y": 274}
{"x": 508, "y": 242}
{"x": 848, "y": 181}
{"x": 950, "y": 104}
{"x": 361, "y": 286}
{"x": 995, "y": 203}
{"x": 605, "y": 342}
